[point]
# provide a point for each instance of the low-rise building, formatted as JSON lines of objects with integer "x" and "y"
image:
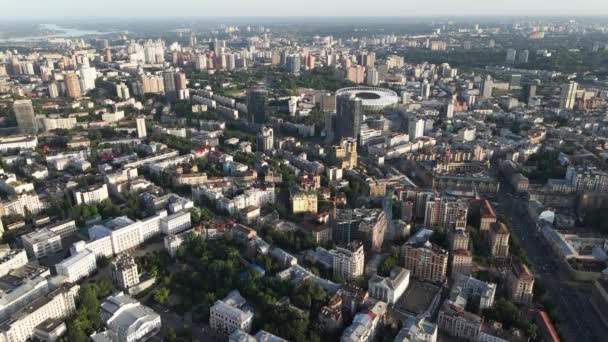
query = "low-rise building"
{"x": 417, "y": 329}
{"x": 41, "y": 243}
{"x": 389, "y": 289}
{"x": 127, "y": 320}
{"x": 58, "y": 304}
{"x": 366, "y": 325}
{"x": 176, "y": 223}
{"x": 230, "y": 314}
{"x": 77, "y": 266}
{"x": 11, "y": 259}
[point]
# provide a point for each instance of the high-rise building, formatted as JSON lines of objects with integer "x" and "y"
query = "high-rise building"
{"x": 265, "y": 139}
{"x": 26, "y": 119}
{"x": 528, "y": 91}
{"x": 499, "y": 240}
{"x": 72, "y": 85}
{"x": 486, "y": 88}
{"x": 416, "y": 127}
{"x": 349, "y": 116}
{"x": 200, "y": 62}
{"x": 294, "y": 64}
{"x": 372, "y": 77}
{"x": 53, "y": 90}
{"x": 169, "y": 83}
{"x": 141, "y": 127}
{"x": 524, "y": 56}
{"x": 122, "y": 91}
{"x": 425, "y": 90}
{"x": 511, "y": 54}
{"x": 257, "y": 104}
{"x": 88, "y": 75}
{"x": 348, "y": 261}
{"x": 568, "y": 96}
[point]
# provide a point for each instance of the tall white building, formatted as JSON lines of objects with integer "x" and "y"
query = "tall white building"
{"x": 416, "y": 128}
{"x": 568, "y": 96}
{"x": 349, "y": 261}
{"x": 141, "y": 127}
{"x": 265, "y": 139}
{"x": 122, "y": 91}
{"x": 88, "y": 75}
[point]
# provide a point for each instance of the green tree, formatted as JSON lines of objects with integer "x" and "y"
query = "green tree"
{"x": 161, "y": 295}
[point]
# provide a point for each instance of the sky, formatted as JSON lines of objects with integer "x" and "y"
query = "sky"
{"x": 282, "y": 8}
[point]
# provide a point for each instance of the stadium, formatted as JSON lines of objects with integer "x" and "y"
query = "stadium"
{"x": 373, "y": 98}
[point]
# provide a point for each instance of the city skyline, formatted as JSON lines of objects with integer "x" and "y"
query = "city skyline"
{"x": 275, "y": 8}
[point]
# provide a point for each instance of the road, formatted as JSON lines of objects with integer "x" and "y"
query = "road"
{"x": 579, "y": 321}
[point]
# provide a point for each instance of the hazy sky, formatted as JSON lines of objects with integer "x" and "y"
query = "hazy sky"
{"x": 76, "y": 8}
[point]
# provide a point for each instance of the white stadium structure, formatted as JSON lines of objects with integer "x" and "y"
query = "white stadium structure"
{"x": 373, "y": 98}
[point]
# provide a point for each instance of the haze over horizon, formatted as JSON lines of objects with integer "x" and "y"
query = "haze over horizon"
{"x": 277, "y": 8}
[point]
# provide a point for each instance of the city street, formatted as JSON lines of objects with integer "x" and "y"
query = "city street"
{"x": 579, "y": 321}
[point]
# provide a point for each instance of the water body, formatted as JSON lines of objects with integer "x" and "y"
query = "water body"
{"x": 61, "y": 32}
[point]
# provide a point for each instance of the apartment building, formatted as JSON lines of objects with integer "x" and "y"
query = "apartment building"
{"x": 499, "y": 240}
{"x": 425, "y": 260}
{"x": 92, "y": 195}
{"x": 521, "y": 284}
{"x": 348, "y": 261}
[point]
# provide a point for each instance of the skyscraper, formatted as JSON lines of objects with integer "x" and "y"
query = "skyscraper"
{"x": 72, "y": 85}
{"x": 416, "y": 128}
{"x": 349, "y": 117}
{"x": 511, "y": 54}
{"x": 265, "y": 139}
{"x": 294, "y": 64}
{"x": 26, "y": 119}
{"x": 141, "y": 127}
{"x": 257, "y": 103}
{"x": 568, "y": 96}
{"x": 169, "y": 83}
{"x": 528, "y": 91}
{"x": 486, "y": 88}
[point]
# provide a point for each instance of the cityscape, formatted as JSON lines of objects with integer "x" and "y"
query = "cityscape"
{"x": 356, "y": 176}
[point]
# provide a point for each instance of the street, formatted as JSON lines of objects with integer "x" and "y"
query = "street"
{"x": 579, "y": 321}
